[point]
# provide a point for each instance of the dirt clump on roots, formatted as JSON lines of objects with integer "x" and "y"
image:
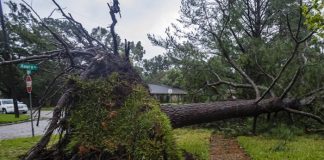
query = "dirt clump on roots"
{"x": 107, "y": 125}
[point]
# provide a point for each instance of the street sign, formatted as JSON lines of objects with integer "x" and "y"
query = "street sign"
{"x": 32, "y": 67}
{"x": 28, "y": 84}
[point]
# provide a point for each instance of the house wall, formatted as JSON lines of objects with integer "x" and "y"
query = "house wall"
{"x": 165, "y": 98}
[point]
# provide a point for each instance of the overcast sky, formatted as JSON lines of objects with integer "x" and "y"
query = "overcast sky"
{"x": 139, "y": 17}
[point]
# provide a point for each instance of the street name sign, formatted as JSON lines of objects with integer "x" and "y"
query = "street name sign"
{"x": 32, "y": 67}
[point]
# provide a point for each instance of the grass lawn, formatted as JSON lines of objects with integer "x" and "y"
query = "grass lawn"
{"x": 194, "y": 141}
{"x": 47, "y": 108}
{"x": 7, "y": 118}
{"x": 12, "y": 148}
{"x": 299, "y": 148}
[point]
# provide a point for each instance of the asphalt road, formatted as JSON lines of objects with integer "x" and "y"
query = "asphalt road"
{"x": 24, "y": 129}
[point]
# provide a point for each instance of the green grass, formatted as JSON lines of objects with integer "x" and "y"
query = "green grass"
{"x": 194, "y": 141}
{"x": 11, "y": 149}
{"x": 299, "y": 148}
{"x": 47, "y": 108}
{"x": 8, "y": 118}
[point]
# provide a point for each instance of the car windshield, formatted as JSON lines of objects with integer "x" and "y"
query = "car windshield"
{"x": 7, "y": 102}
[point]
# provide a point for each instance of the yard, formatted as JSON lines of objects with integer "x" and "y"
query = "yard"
{"x": 197, "y": 143}
{"x": 11, "y": 149}
{"x": 299, "y": 148}
{"x": 9, "y": 118}
{"x": 194, "y": 141}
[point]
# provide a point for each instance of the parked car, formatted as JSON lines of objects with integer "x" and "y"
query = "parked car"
{"x": 7, "y": 106}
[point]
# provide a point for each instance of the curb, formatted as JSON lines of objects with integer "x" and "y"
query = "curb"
{"x": 18, "y": 122}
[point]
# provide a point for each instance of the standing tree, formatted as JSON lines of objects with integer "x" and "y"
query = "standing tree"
{"x": 259, "y": 48}
{"x": 10, "y": 82}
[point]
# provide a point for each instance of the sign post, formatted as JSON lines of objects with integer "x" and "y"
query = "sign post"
{"x": 29, "y": 91}
{"x": 29, "y": 68}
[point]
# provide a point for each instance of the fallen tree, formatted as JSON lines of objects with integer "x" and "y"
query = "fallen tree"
{"x": 189, "y": 114}
{"x": 108, "y": 84}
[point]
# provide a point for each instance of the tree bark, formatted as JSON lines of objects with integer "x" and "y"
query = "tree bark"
{"x": 189, "y": 114}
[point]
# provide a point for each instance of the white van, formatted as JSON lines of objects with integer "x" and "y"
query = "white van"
{"x": 7, "y": 106}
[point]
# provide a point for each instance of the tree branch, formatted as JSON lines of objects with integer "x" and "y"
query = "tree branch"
{"x": 237, "y": 40}
{"x": 77, "y": 25}
{"x": 300, "y": 18}
{"x": 297, "y": 43}
{"x": 224, "y": 52}
{"x": 292, "y": 82}
{"x": 112, "y": 13}
{"x": 50, "y": 87}
{"x": 236, "y": 67}
{"x": 280, "y": 73}
{"x": 315, "y": 117}
{"x": 56, "y": 36}
{"x": 290, "y": 30}
{"x": 48, "y": 55}
{"x": 308, "y": 98}
{"x": 311, "y": 93}
{"x": 127, "y": 50}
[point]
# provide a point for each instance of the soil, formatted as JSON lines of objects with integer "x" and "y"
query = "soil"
{"x": 223, "y": 148}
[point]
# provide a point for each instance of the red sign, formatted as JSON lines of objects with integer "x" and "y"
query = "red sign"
{"x": 28, "y": 84}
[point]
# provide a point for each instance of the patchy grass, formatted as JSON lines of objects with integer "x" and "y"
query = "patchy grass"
{"x": 194, "y": 141}
{"x": 8, "y": 118}
{"x": 11, "y": 149}
{"x": 299, "y": 148}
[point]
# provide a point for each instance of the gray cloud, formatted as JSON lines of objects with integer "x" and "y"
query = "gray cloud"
{"x": 139, "y": 17}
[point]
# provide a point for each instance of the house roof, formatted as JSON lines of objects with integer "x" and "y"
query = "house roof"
{"x": 163, "y": 89}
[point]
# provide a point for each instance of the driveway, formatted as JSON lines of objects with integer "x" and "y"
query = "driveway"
{"x": 24, "y": 129}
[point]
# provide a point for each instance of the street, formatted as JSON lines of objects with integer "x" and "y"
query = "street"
{"x": 24, "y": 129}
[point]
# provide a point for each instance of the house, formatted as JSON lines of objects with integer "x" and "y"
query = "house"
{"x": 167, "y": 94}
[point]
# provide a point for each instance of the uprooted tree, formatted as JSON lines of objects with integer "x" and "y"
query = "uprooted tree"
{"x": 105, "y": 111}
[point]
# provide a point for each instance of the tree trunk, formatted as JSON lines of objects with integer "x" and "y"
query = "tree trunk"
{"x": 189, "y": 114}
{"x": 15, "y": 102}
